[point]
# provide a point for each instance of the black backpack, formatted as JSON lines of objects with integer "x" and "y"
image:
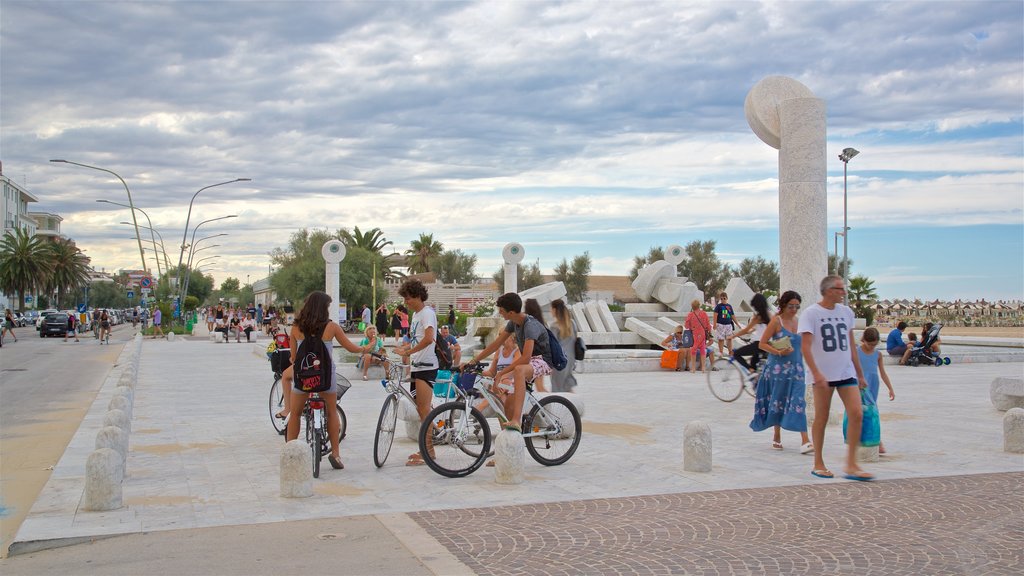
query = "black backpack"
{"x": 312, "y": 366}
{"x": 444, "y": 353}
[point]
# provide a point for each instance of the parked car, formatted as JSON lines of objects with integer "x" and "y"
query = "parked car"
{"x": 29, "y": 318}
{"x": 19, "y": 319}
{"x": 54, "y": 324}
{"x": 42, "y": 316}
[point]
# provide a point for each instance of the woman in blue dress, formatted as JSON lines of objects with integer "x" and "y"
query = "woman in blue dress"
{"x": 780, "y": 399}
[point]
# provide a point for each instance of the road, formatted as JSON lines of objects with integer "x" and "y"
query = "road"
{"x": 46, "y": 387}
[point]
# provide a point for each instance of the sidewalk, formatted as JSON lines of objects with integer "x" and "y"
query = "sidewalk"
{"x": 204, "y": 454}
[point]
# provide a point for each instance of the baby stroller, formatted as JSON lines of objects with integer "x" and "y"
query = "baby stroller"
{"x": 922, "y": 355}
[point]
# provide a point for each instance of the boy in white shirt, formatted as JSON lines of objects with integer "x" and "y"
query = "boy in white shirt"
{"x": 420, "y": 349}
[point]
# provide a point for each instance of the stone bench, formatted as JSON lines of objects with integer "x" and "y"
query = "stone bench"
{"x": 1007, "y": 393}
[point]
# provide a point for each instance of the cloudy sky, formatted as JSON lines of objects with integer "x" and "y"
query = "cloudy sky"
{"x": 607, "y": 127}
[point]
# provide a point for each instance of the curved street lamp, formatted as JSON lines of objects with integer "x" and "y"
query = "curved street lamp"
{"x": 189, "y": 216}
{"x": 188, "y": 266}
{"x": 192, "y": 245}
{"x": 163, "y": 247}
{"x": 159, "y": 273}
{"x": 131, "y": 205}
{"x": 846, "y": 156}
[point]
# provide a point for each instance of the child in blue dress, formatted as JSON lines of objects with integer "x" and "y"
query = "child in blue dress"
{"x": 780, "y": 399}
{"x": 871, "y": 364}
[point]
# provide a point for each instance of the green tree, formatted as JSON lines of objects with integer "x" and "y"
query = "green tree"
{"x": 835, "y": 266}
{"x": 862, "y": 295}
{"x": 356, "y": 280}
{"x": 70, "y": 270}
{"x": 299, "y": 270}
{"x": 103, "y": 294}
{"x": 454, "y": 267}
{"x": 575, "y": 276}
{"x": 372, "y": 240}
{"x": 760, "y": 274}
{"x": 656, "y": 253}
{"x": 25, "y": 264}
{"x": 421, "y": 251}
{"x": 527, "y": 276}
{"x": 703, "y": 268}
{"x": 200, "y": 286}
{"x": 230, "y": 285}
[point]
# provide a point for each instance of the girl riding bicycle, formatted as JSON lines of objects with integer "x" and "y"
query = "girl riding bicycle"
{"x": 314, "y": 318}
{"x": 758, "y": 322}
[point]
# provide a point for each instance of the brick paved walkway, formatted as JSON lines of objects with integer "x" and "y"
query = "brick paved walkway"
{"x": 944, "y": 525}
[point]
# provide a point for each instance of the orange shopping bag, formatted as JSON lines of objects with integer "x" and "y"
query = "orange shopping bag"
{"x": 670, "y": 359}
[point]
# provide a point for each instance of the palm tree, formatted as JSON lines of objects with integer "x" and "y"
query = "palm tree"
{"x": 862, "y": 295}
{"x": 372, "y": 240}
{"x": 25, "y": 264}
{"x": 70, "y": 268}
{"x": 421, "y": 251}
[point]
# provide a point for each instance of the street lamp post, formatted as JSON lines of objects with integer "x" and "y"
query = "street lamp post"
{"x": 163, "y": 247}
{"x": 189, "y": 217}
{"x": 150, "y": 227}
{"x": 188, "y": 266}
{"x": 846, "y": 156}
{"x": 181, "y": 293}
{"x": 131, "y": 205}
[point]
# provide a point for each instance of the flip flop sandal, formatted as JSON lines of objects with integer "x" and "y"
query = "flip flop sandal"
{"x": 860, "y": 477}
{"x": 415, "y": 460}
{"x": 776, "y": 445}
{"x": 822, "y": 473}
{"x": 335, "y": 462}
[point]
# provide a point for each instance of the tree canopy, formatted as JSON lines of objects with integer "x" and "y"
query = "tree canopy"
{"x": 575, "y": 276}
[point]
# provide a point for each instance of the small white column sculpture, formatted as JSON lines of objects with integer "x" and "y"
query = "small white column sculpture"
{"x": 333, "y": 252}
{"x": 512, "y": 254}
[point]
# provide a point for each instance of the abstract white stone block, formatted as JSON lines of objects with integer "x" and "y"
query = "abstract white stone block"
{"x": 606, "y": 316}
{"x": 103, "y": 475}
{"x": 1013, "y": 431}
{"x": 544, "y": 295}
{"x": 1007, "y": 393}
{"x": 594, "y": 317}
{"x": 697, "y": 447}
{"x": 648, "y": 277}
{"x": 509, "y": 458}
{"x": 580, "y": 316}
{"x": 296, "y": 470}
{"x": 740, "y": 294}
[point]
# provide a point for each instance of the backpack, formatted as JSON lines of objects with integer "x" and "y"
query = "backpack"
{"x": 312, "y": 366}
{"x": 444, "y": 353}
{"x": 557, "y": 354}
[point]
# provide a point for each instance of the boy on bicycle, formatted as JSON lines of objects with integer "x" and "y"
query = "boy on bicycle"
{"x": 420, "y": 349}
{"x": 534, "y": 360}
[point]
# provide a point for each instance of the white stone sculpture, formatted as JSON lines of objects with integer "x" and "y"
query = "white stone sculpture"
{"x": 697, "y": 447}
{"x": 784, "y": 114}
{"x": 333, "y": 252}
{"x": 103, "y": 476}
{"x": 1007, "y": 393}
{"x": 1013, "y": 431}
{"x": 740, "y": 294}
{"x": 512, "y": 254}
{"x": 296, "y": 470}
{"x": 658, "y": 282}
{"x": 509, "y": 458}
{"x": 580, "y": 316}
{"x": 545, "y": 294}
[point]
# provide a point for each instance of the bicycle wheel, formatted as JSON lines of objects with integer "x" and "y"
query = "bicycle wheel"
{"x": 385, "y": 435}
{"x": 461, "y": 440}
{"x": 318, "y": 446}
{"x": 726, "y": 383}
{"x": 559, "y": 422}
{"x": 276, "y": 404}
{"x": 343, "y": 421}
{"x": 750, "y": 387}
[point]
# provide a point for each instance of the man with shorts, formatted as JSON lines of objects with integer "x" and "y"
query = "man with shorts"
{"x": 534, "y": 359}
{"x": 157, "y": 317}
{"x": 826, "y": 330}
{"x": 725, "y": 320}
{"x": 420, "y": 350}
{"x": 894, "y": 341}
{"x": 453, "y": 345}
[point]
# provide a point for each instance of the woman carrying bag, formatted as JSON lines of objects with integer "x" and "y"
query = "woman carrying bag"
{"x": 565, "y": 330}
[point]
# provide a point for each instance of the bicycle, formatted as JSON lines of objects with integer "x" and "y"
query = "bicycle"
{"x": 316, "y": 424}
{"x": 551, "y": 427}
{"x": 277, "y": 395}
{"x": 728, "y": 379}
{"x": 384, "y": 437}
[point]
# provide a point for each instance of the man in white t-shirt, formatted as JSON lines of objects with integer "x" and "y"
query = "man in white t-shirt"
{"x": 420, "y": 350}
{"x": 826, "y": 330}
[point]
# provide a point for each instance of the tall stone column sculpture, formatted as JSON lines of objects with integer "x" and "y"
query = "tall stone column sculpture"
{"x": 785, "y": 115}
{"x": 513, "y": 254}
{"x": 333, "y": 252}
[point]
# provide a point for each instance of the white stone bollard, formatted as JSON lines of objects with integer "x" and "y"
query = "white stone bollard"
{"x": 117, "y": 418}
{"x": 1013, "y": 431}
{"x": 1007, "y": 393}
{"x": 103, "y": 476}
{"x": 407, "y": 413}
{"x": 867, "y": 453}
{"x": 127, "y": 379}
{"x": 170, "y": 336}
{"x": 296, "y": 470}
{"x": 125, "y": 391}
{"x": 121, "y": 403}
{"x": 115, "y": 438}
{"x": 509, "y": 458}
{"x": 697, "y": 447}
{"x": 214, "y": 336}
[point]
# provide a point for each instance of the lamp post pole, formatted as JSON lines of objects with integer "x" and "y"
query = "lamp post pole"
{"x": 131, "y": 205}
{"x": 150, "y": 228}
{"x": 846, "y": 156}
{"x": 192, "y": 251}
{"x": 188, "y": 217}
{"x": 181, "y": 292}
